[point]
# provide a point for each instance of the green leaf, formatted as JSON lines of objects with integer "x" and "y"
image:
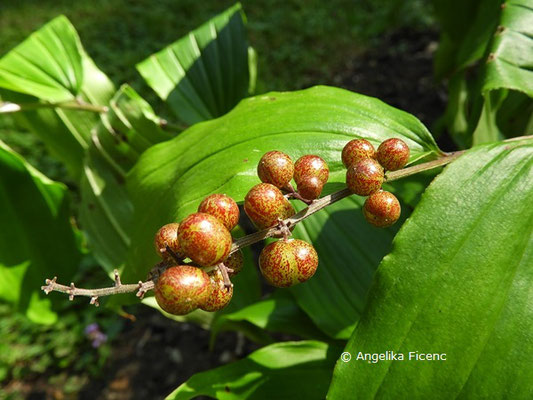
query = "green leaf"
{"x": 48, "y": 64}
{"x": 510, "y": 62}
{"x": 277, "y": 313}
{"x": 466, "y": 28}
{"x": 123, "y": 133}
{"x": 36, "y": 239}
{"x": 170, "y": 179}
{"x": 457, "y": 282}
{"x": 204, "y": 74}
{"x": 508, "y": 66}
{"x": 292, "y": 370}
{"x": 58, "y": 71}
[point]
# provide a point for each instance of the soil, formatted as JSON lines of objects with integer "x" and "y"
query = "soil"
{"x": 154, "y": 355}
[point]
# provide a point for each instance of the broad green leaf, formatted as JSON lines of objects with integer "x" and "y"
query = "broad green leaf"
{"x": 500, "y": 34}
{"x": 458, "y": 281}
{"x": 54, "y": 67}
{"x": 36, "y": 239}
{"x": 204, "y": 74}
{"x": 508, "y": 66}
{"x": 289, "y": 370}
{"x": 349, "y": 251}
{"x": 277, "y": 313}
{"x": 170, "y": 179}
{"x": 510, "y": 62}
{"x": 487, "y": 130}
{"x": 466, "y": 28}
{"x": 48, "y": 64}
{"x": 123, "y": 133}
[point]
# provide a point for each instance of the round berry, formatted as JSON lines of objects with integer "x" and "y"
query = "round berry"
{"x": 356, "y": 150}
{"x": 288, "y": 262}
{"x": 393, "y": 154}
{"x": 223, "y": 208}
{"x": 364, "y": 177}
{"x": 167, "y": 235}
{"x": 382, "y": 209}
{"x": 311, "y": 165}
{"x": 220, "y": 294}
{"x": 310, "y": 188}
{"x": 275, "y": 168}
{"x": 182, "y": 289}
{"x": 204, "y": 239}
{"x": 235, "y": 262}
{"x": 265, "y": 204}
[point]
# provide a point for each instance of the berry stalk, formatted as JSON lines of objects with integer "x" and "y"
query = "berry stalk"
{"x": 142, "y": 287}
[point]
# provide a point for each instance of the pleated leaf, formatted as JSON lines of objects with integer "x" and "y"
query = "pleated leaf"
{"x": 124, "y": 132}
{"x": 47, "y": 65}
{"x": 63, "y": 72}
{"x": 36, "y": 239}
{"x": 289, "y": 370}
{"x": 206, "y": 73}
{"x": 510, "y": 62}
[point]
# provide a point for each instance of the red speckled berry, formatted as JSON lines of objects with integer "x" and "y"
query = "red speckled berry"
{"x": 265, "y": 203}
{"x": 393, "y": 154}
{"x": 310, "y": 188}
{"x": 235, "y": 261}
{"x": 364, "y": 177}
{"x": 275, "y": 168}
{"x": 221, "y": 207}
{"x": 220, "y": 295}
{"x": 356, "y": 150}
{"x": 182, "y": 289}
{"x": 204, "y": 239}
{"x": 288, "y": 262}
{"x": 311, "y": 165}
{"x": 382, "y": 209}
{"x": 168, "y": 235}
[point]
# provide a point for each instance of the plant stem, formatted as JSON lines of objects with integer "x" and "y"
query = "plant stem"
{"x": 325, "y": 201}
{"x": 142, "y": 287}
{"x": 8, "y": 107}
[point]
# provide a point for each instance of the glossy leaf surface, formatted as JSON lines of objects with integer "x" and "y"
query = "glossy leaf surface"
{"x": 204, "y": 74}
{"x": 36, "y": 239}
{"x": 297, "y": 370}
{"x": 458, "y": 281}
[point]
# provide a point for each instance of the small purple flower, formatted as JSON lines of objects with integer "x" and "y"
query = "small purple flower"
{"x": 94, "y": 334}
{"x": 91, "y": 328}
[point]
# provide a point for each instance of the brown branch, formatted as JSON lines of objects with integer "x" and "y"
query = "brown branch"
{"x": 279, "y": 230}
{"x": 325, "y": 201}
{"x": 141, "y": 288}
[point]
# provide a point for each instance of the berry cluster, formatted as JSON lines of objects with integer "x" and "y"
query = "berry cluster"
{"x": 366, "y": 172}
{"x": 285, "y": 262}
{"x": 205, "y": 239}
{"x": 197, "y": 251}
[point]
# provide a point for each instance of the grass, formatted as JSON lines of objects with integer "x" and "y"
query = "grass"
{"x": 299, "y": 42}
